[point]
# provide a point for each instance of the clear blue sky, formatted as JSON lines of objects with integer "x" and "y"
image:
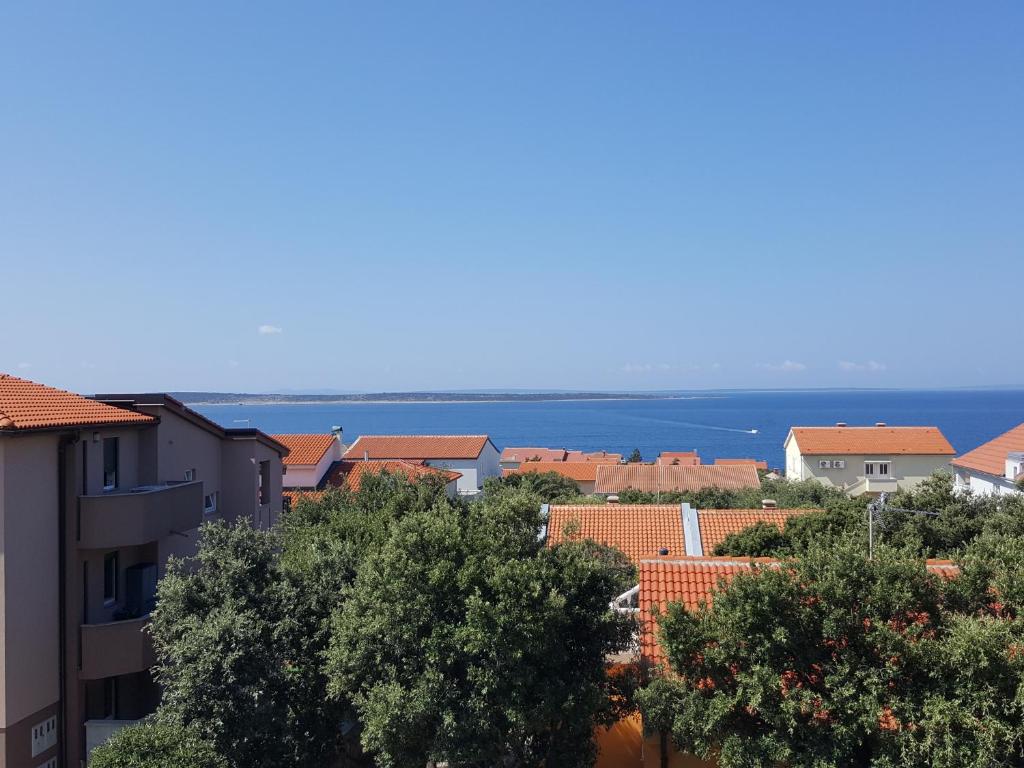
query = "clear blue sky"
{"x": 531, "y": 194}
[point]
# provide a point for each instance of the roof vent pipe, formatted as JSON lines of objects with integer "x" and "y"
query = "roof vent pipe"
{"x": 663, "y": 551}
{"x": 366, "y": 455}
{"x": 769, "y": 504}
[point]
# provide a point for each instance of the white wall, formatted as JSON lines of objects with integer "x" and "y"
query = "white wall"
{"x": 908, "y": 471}
{"x": 309, "y": 475}
{"x": 474, "y": 471}
{"x": 981, "y": 483}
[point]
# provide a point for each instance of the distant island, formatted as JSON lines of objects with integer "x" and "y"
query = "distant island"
{"x": 238, "y": 398}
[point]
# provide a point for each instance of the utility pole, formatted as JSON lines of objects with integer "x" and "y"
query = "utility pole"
{"x": 876, "y": 509}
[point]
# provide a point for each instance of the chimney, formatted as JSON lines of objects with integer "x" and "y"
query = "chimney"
{"x": 366, "y": 455}
{"x": 879, "y": 423}
{"x": 613, "y": 499}
{"x": 337, "y": 431}
{"x": 840, "y": 423}
{"x": 769, "y": 504}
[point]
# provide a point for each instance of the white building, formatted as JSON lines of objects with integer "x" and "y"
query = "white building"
{"x": 309, "y": 457}
{"x": 995, "y": 467}
{"x": 474, "y": 457}
{"x": 866, "y": 459}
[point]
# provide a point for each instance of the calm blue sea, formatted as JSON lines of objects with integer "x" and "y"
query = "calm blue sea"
{"x": 716, "y": 425}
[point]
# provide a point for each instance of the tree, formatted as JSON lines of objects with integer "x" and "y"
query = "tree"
{"x": 836, "y": 660}
{"x": 156, "y": 744}
{"x": 238, "y": 644}
{"x": 635, "y": 457}
{"x": 759, "y": 540}
{"x": 463, "y": 639}
{"x": 548, "y": 487}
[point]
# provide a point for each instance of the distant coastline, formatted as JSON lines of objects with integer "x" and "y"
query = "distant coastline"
{"x": 228, "y": 398}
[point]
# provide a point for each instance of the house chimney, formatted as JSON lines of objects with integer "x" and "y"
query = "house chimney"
{"x": 613, "y": 499}
{"x": 769, "y": 504}
{"x": 840, "y": 423}
{"x": 337, "y": 431}
{"x": 366, "y": 455}
{"x": 879, "y": 423}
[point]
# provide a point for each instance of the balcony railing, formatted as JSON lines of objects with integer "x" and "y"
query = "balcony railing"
{"x": 138, "y": 515}
{"x": 116, "y": 648}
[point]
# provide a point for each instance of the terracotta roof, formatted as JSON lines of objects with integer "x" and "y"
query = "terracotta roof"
{"x": 639, "y": 530}
{"x": 597, "y": 457}
{"x": 757, "y": 463}
{"x": 716, "y": 524}
{"x": 27, "y": 405}
{"x": 292, "y": 496}
{"x": 351, "y": 473}
{"x": 691, "y": 580}
{"x": 871, "y": 441}
{"x": 678, "y": 458}
{"x": 580, "y": 471}
{"x": 990, "y": 457}
{"x": 417, "y": 446}
{"x": 304, "y": 449}
{"x": 655, "y": 478}
{"x": 533, "y": 454}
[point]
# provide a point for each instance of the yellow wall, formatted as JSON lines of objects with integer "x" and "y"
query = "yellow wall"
{"x": 625, "y": 746}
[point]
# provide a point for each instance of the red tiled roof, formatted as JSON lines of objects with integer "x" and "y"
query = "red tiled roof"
{"x": 417, "y": 447}
{"x": 597, "y": 457}
{"x": 692, "y": 580}
{"x": 871, "y": 441}
{"x": 990, "y": 457}
{"x": 27, "y": 405}
{"x": 292, "y": 496}
{"x": 758, "y": 464}
{"x": 716, "y": 524}
{"x": 580, "y": 471}
{"x": 304, "y": 449}
{"x": 654, "y": 478}
{"x": 678, "y": 458}
{"x": 639, "y": 530}
{"x": 533, "y": 454}
{"x": 351, "y": 473}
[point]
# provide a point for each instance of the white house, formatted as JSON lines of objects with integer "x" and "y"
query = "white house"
{"x": 309, "y": 457}
{"x": 866, "y": 459}
{"x": 474, "y": 457}
{"x": 995, "y": 467}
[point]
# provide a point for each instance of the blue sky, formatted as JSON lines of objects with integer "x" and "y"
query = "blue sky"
{"x": 556, "y": 195}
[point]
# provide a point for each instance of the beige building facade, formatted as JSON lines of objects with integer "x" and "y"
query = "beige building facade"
{"x": 94, "y": 497}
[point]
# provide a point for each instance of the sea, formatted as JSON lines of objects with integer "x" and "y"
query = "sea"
{"x": 718, "y": 425}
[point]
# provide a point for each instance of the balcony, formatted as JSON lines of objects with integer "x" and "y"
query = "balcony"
{"x": 98, "y": 732}
{"x": 115, "y": 648}
{"x": 873, "y": 485}
{"x": 139, "y": 515}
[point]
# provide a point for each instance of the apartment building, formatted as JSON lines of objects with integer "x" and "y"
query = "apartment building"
{"x": 95, "y": 495}
{"x": 995, "y": 467}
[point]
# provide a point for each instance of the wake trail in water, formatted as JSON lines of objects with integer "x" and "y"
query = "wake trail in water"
{"x": 696, "y": 426}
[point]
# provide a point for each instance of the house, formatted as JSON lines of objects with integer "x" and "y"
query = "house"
{"x": 513, "y": 458}
{"x": 661, "y": 478}
{"x": 474, "y": 457}
{"x": 995, "y": 467}
{"x": 583, "y": 473}
{"x": 676, "y": 458}
{"x": 657, "y": 530}
{"x": 95, "y": 494}
{"x": 597, "y": 457}
{"x": 869, "y": 460}
{"x": 309, "y": 457}
{"x": 757, "y": 463}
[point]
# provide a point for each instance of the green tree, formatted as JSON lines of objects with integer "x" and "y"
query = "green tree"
{"x": 239, "y": 647}
{"x": 835, "y": 660}
{"x": 156, "y": 744}
{"x": 759, "y": 540}
{"x": 463, "y": 639}
{"x": 635, "y": 457}
{"x": 548, "y": 487}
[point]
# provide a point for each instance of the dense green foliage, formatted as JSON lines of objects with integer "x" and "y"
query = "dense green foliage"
{"x": 156, "y": 744}
{"x": 416, "y": 627}
{"x": 836, "y": 660}
{"x": 759, "y": 540}
{"x": 547, "y": 487}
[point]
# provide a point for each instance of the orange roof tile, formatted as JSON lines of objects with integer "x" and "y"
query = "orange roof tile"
{"x": 351, "y": 473}
{"x": 716, "y": 524}
{"x": 639, "y": 530}
{"x": 533, "y": 454}
{"x": 597, "y": 457}
{"x": 654, "y": 478}
{"x": 990, "y": 457}
{"x": 305, "y": 449}
{"x": 27, "y": 405}
{"x": 871, "y": 441}
{"x": 292, "y": 496}
{"x": 758, "y": 463}
{"x": 417, "y": 447}
{"x": 580, "y": 471}
{"x": 678, "y": 458}
{"x": 692, "y": 580}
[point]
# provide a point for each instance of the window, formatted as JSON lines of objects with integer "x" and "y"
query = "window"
{"x": 190, "y": 475}
{"x": 110, "y": 576}
{"x": 110, "y": 698}
{"x": 264, "y": 482}
{"x": 876, "y": 469}
{"x": 44, "y": 735}
{"x": 210, "y": 502}
{"x": 110, "y": 462}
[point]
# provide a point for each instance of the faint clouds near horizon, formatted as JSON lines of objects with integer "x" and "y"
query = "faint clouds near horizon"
{"x": 871, "y": 366}
{"x": 269, "y": 330}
